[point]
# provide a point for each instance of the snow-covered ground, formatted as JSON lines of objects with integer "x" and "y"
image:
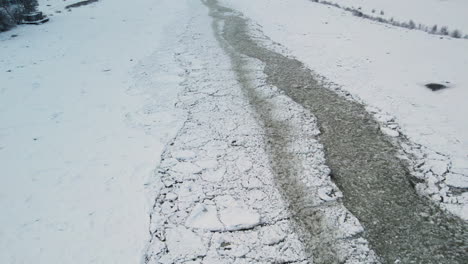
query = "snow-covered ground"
{"x": 86, "y": 108}
{"x": 126, "y": 135}
{"x": 386, "y": 67}
{"x": 449, "y": 13}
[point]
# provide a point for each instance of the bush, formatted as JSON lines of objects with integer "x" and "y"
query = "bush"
{"x": 358, "y": 13}
{"x": 444, "y": 31}
{"x": 456, "y": 34}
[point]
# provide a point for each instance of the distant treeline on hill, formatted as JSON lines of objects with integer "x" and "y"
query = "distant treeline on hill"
{"x": 11, "y": 12}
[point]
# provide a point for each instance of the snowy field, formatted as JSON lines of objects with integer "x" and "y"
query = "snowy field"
{"x": 449, "y": 13}
{"x": 86, "y": 108}
{"x": 385, "y": 67}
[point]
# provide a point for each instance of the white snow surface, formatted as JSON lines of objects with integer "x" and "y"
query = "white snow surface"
{"x": 86, "y": 107}
{"x": 385, "y": 67}
{"x": 449, "y": 13}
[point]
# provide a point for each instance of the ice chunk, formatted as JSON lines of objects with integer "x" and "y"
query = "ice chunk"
{"x": 184, "y": 244}
{"x": 184, "y": 155}
{"x": 389, "y": 132}
{"x": 205, "y": 217}
{"x": 239, "y": 218}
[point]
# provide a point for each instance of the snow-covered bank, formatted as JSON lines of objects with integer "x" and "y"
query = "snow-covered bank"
{"x": 386, "y": 67}
{"x": 449, "y": 13}
{"x": 86, "y": 107}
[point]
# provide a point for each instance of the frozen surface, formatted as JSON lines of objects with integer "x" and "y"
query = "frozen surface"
{"x": 385, "y": 67}
{"x": 86, "y": 107}
{"x": 217, "y": 185}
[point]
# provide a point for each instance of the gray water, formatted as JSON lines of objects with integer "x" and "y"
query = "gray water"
{"x": 401, "y": 226}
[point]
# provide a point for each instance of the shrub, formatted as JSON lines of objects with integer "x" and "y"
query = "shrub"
{"x": 411, "y": 24}
{"x": 456, "y": 34}
{"x": 358, "y": 13}
{"x": 444, "y": 31}
{"x": 381, "y": 20}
